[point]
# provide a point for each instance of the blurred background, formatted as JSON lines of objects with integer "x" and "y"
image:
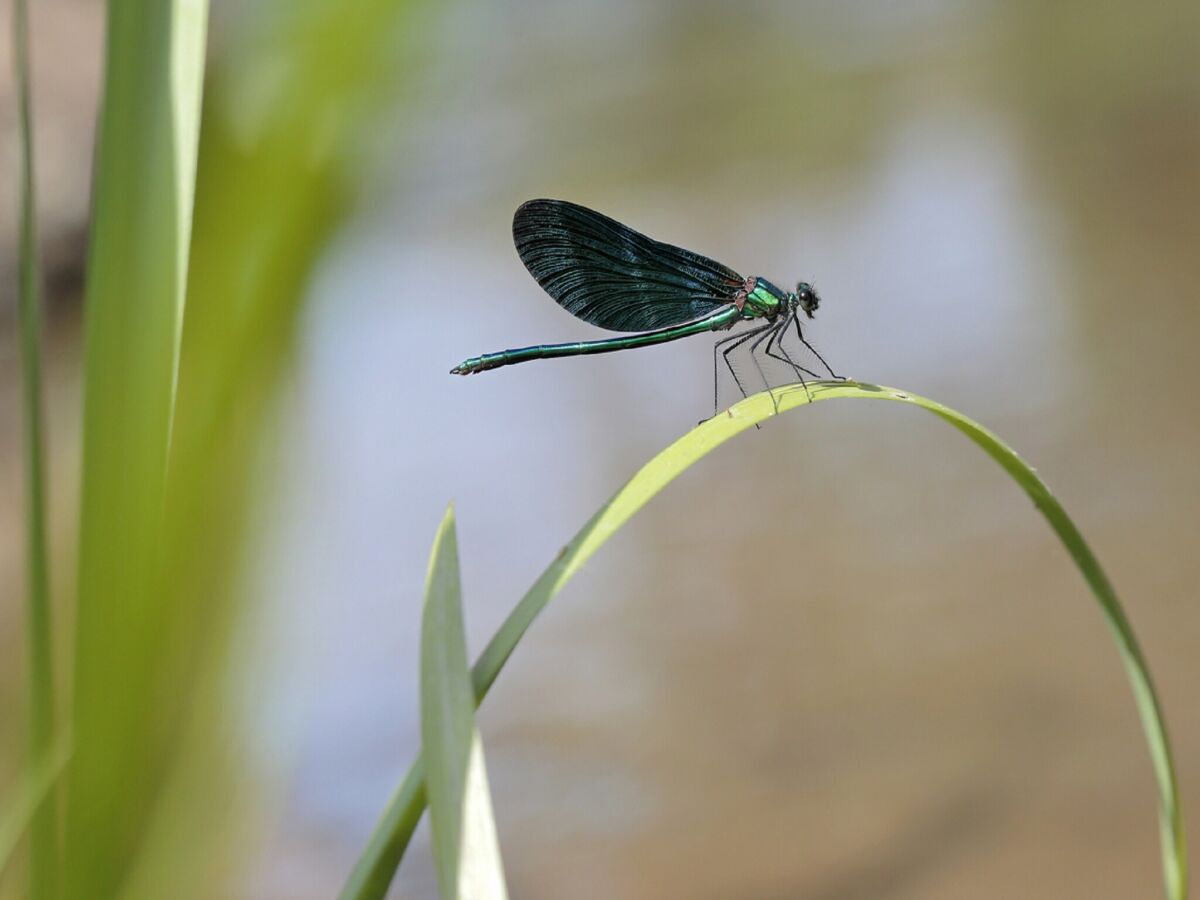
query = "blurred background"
{"x": 843, "y": 657}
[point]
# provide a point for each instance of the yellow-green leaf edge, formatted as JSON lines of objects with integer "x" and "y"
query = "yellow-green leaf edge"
{"x": 374, "y": 870}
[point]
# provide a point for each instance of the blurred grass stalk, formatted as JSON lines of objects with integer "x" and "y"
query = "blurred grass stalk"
{"x": 22, "y": 802}
{"x": 144, "y": 179}
{"x": 43, "y": 837}
{"x": 156, "y": 797}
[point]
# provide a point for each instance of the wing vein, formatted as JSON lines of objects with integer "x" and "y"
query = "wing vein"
{"x": 612, "y": 276}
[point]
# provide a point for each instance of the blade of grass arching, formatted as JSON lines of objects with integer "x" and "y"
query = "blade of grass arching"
{"x": 392, "y": 834}
{"x": 465, "y": 848}
{"x": 43, "y": 838}
{"x": 144, "y": 178}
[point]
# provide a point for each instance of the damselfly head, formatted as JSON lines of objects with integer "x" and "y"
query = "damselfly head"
{"x": 806, "y": 297}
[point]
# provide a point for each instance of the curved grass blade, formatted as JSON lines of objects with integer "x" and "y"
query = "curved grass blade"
{"x": 374, "y": 870}
{"x": 465, "y": 848}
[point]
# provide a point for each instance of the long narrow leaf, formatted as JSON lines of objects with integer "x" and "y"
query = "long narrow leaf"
{"x": 392, "y": 834}
{"x": 279, "y": 171}
{"x": 137, "y": 270}
{"x": 33, "y": 790}
{"x": 464, "y": 832}
{"x": 43, "y": 868}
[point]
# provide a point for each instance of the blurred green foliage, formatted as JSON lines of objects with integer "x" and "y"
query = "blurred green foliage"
{"x": 137, "y": 267}
{"x": 153, "y": 782}
{"x": 43, "y": 841}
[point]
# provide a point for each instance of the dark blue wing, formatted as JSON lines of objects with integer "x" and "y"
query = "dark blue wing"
{"x": 612, "y": 276}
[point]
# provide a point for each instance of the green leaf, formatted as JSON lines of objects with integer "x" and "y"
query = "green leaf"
{"x": 392, "y": 834}
{"x": 43, "y": 842}
{"x": 293, "y": 97}
{"x": 136, "y": 272}
{"x": 464, "y": 832}
{"x": 34, "y": 787}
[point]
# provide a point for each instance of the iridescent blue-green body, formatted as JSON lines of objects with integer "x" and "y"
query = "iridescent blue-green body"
{"x": 612, "y": 276}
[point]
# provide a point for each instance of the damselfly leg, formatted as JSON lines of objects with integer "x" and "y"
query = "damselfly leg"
{"x": 777, "y": 339}
{"x": 800, "y": 333}
{"x": 733, "y": 343}
{"x": 768, "y": 336}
